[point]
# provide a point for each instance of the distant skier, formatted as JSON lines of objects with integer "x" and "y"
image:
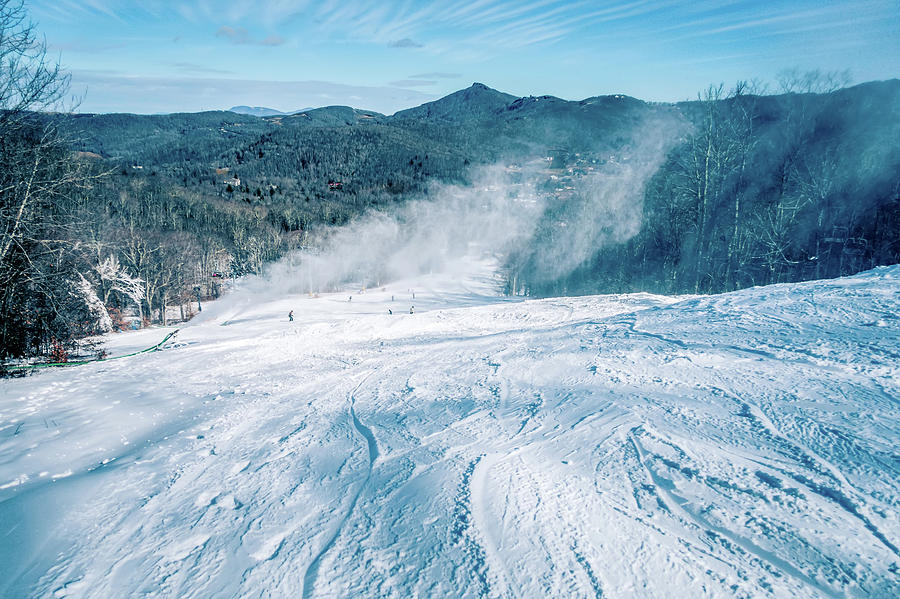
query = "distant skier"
{"x": 351, "y": 299}
{"x": 291, "y": 316}
{"x": 390, "y": 311}
{"x": 412, "y": 309}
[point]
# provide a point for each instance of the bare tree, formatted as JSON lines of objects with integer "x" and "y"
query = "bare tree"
{"x": 36, "y": 172}
{"x": 795, "y": 81}
{"x": 715, "y": 158}
{"x": 28, "y": 83}
{"x": 743, "y": 114}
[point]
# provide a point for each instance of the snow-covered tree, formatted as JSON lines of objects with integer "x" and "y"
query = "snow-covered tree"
{"x": 119, "y": 280}
{"x": 94, "y": 304}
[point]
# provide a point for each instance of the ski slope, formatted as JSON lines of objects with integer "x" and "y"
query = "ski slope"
{"x": 741, "y": 445}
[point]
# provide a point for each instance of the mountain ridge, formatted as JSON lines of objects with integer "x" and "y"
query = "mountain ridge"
{"x": 263, "y": 111}
{"x": 479, "y": 92}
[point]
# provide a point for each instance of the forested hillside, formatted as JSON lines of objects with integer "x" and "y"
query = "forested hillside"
{"x": 741, "y": 189}
{"x": 762, "y": 189}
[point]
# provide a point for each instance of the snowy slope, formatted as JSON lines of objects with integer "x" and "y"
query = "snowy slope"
{"x": 742, "y": 445}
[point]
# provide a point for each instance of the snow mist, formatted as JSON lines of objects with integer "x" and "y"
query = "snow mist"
{"x": 507, "y": 213}
{"x": 604, "y": 207}
{"x": 490, "y": 217}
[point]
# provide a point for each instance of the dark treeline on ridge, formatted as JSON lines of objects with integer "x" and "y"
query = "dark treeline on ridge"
{"x": 109, "y": 216}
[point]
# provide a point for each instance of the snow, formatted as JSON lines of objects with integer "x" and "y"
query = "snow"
{"x": 740, "y": 445}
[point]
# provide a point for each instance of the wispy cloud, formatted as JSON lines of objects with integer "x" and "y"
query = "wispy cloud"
{"x": 413, "y": 83}
{"x": 449, "y": 23}
{"x": 783, "y": 20}
{"x": 793, "y": 16}
{"x": 476, "y": 27}
{"x": 436, "y": 76}
{"x": 441, "y": 25}
{"x": 272, "y": 40}
{"x": 191, "y": 68}
{"x": 239, "y": 35}
{"x": 117, "y": 10}
{"x": 85, "y": 47}
{"x": 405, "y": 43}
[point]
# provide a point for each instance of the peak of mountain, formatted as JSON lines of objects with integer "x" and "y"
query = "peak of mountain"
{"x": 477, "y": 100}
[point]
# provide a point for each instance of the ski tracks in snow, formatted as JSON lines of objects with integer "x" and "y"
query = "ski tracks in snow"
{"x": 679, "y": 507}
{"x": 312, "y": 570}
{"x": 493, "y": 564}
{"x": 463, "y": 532}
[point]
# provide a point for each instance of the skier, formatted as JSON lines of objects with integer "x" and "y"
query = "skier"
{"x": 291, "y": 316}
{"x": 390, "y": 311}
{"x": 412, "y": 309}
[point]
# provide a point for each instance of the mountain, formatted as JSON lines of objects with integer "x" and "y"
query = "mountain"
{"x": 740, "y": 445}
{"x": 255, "y": 110}
{"x": 331, "y": 116}
{"x": 262, "y": 111}
{"x": 478, "y": 101}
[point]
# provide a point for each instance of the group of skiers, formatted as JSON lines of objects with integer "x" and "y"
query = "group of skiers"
{"x": 412, "y": 309}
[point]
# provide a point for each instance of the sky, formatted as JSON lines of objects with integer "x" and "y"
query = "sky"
{"x": 155, "y": 56}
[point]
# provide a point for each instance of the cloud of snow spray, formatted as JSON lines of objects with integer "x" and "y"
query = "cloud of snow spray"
{"x": 488, "y": 218}
{"x": 506, "y": 211}
{"x": 605, "y": 207}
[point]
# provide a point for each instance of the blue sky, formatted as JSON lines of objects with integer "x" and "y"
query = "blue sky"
{"x": 155, "y": 56}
